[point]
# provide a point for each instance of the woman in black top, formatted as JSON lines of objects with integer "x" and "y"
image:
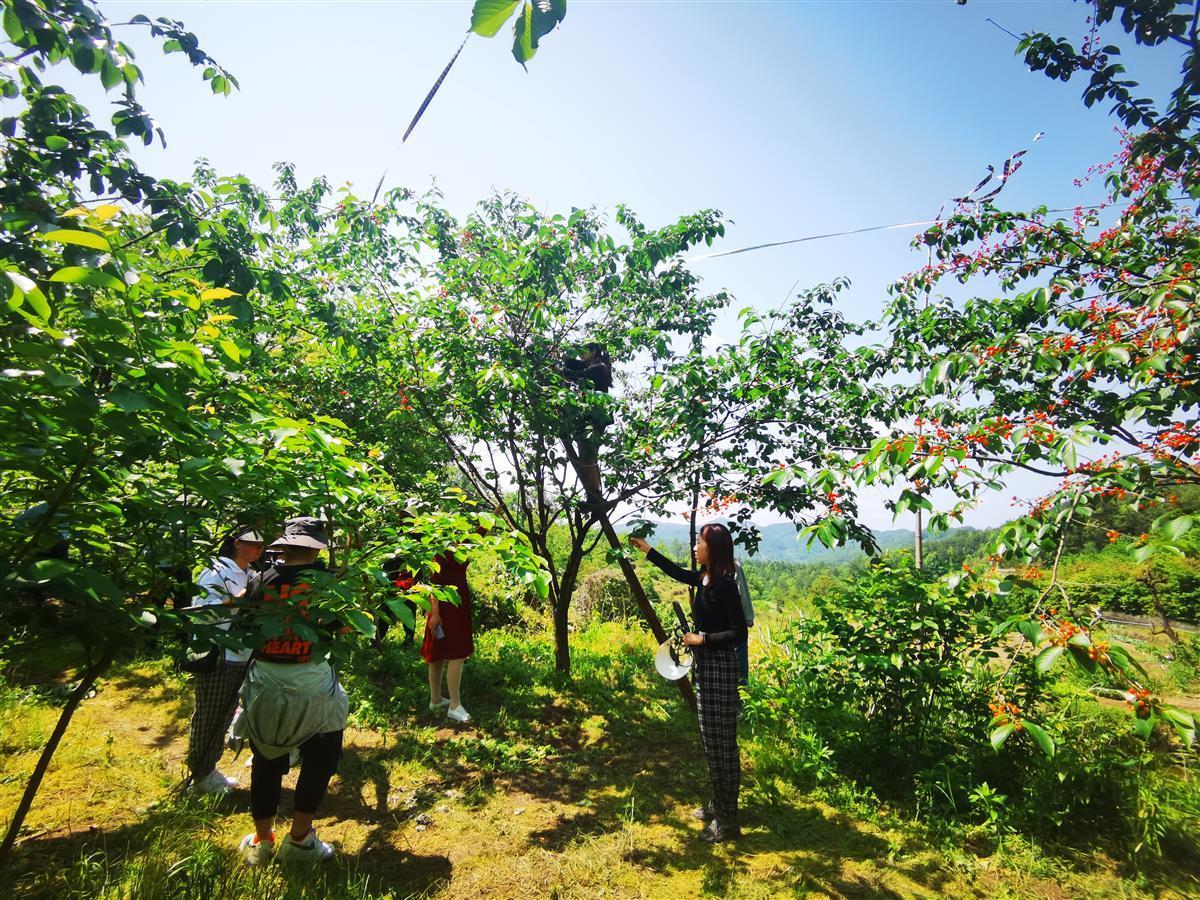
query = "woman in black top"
{"x": 719, "y": 626}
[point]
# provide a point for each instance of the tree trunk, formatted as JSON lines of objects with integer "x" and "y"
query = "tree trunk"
{"x": 94, "y": 671}
{"x": 562, "y": 610}
{"x": 1170, "y": 632}
{"x": 562, "y": 647}
{"x": 919, "y": 543}
{"x": 691, "y": 553}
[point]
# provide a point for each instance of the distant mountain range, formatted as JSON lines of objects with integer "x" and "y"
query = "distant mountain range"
{"x": 779, "y": 543}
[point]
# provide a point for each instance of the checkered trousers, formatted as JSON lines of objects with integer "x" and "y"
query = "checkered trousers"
{"x": 715, "y": 676}
{"x": 216, "y": 700}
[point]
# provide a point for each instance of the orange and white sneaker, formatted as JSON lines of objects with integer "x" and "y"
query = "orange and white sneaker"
{"x": 255, "y": 852}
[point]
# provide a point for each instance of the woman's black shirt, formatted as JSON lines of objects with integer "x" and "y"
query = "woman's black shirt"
{"x": 717, "y": 609}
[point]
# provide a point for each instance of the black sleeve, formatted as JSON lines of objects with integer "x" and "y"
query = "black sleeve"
{"x": 677, "y": 572}
{"x": 256, "y": 582}
{"x": 596, "y": 373}
{"x": 729, "y": 600}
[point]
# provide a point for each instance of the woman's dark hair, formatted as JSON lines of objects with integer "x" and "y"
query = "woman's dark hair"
{"x": 720, "y": 551}
{"x": 228, "y": 546}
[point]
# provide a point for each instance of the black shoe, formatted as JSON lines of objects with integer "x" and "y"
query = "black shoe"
{"x": 715, "y": 833}
{"x": 704, "y": 813}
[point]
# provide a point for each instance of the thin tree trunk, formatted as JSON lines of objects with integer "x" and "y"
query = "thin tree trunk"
{"x": 1170, "y": 632}
{"x": 94, "y": 671}
{"x": 562, "y": 610}
{"x": 692, "y": 535}
{"x": 919, "y": 543}
{"x": 562, "y": 647}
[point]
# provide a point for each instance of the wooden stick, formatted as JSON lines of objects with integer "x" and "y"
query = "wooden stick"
{"x": 635, "y": 586}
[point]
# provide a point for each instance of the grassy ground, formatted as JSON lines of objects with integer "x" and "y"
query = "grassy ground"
{"x": 557, "y": 789}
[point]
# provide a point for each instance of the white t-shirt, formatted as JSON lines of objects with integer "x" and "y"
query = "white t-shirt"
{"x": 223, "y": 582}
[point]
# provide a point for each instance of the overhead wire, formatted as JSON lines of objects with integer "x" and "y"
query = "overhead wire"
{"x": 853, "y": 231}
{"x": 1007, "y": 170}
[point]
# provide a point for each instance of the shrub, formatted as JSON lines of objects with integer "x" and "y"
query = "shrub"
{"x": 889, "y": 674}
{"x": 884, "y": 692}
{"x": 604, "y": 596}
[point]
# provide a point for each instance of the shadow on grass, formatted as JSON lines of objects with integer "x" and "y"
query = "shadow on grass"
{"x": 171, "y": 853}
{"x": 814, "y": 848}
{"x": 621, "y": 745}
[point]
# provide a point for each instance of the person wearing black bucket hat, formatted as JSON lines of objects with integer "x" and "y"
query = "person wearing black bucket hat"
{"x": 219, "y": 673}
{"x": 291, "y": 701}
{"x": 308, "y": 532}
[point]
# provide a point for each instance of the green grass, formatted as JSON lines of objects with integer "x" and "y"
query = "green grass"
{"x": 567, "y": 788}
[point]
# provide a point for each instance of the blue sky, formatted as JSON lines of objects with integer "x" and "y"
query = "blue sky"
{"x": 792, "y": 118}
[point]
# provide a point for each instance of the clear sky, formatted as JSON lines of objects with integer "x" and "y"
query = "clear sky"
{"x": 793, "y": 118}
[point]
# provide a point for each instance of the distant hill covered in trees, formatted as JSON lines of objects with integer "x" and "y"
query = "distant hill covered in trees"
{"x": 780, "y": 544}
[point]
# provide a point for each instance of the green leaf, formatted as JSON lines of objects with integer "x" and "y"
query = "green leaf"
{"x": 28, "y": 289}
{"x": 940, "y": 369}
{"x": 80, "y": 238}
{"x": 93, "y": 277}
{"x": 1001, "y": 734}
{"x": 524, "y": 44}
{"x": 1070, "y": 456}
{"x": 56, "y": 142}
{"x": 776, "y": 476}
{"x": 232, "y": 350}
{"x": 1143, "y": 728}
{"x": 1125, "y": 661}
{"x": 1032, "y": 631}
{"x": 1118, "y": 354}
{"x": 489, "y": 16}
{"x": 1177, "y": 528}
{"x": 401, "y": 611}
{"x": 1040, "y": 737}
{"x": 1085, "y": 662}
{"x": 362, "y": 623}
{"x": 86, "y": 57}
{"x": 1079, "y": 639}
{"x": 39, "y": 305}
{"x": 1179, "y": 717}
{"x": 281, "y": 434}
{"x": 12, "y": 24}
{"x": 48, "y": 569}
{"x": 129, "y": 401}
{"x": 546, "y": 16}
{"x": 110, "y": 75}
{"x": 1047, "y": 658}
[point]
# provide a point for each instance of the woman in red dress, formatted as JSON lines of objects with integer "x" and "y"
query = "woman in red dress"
{"x": 457, "y": 640}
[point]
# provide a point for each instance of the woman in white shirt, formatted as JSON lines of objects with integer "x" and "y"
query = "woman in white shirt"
{"x": 224, "y": 581}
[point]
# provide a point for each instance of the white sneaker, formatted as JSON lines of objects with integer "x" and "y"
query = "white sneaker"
{"x": 458, "y": 714}
{"x": 255, "y": 852}
{"x": 311, "y": 850}
{"x": 213, "y": 783}
{"x": 440, "y": 705}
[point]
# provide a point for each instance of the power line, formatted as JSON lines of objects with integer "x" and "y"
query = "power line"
{"x": 851, "y": 231}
